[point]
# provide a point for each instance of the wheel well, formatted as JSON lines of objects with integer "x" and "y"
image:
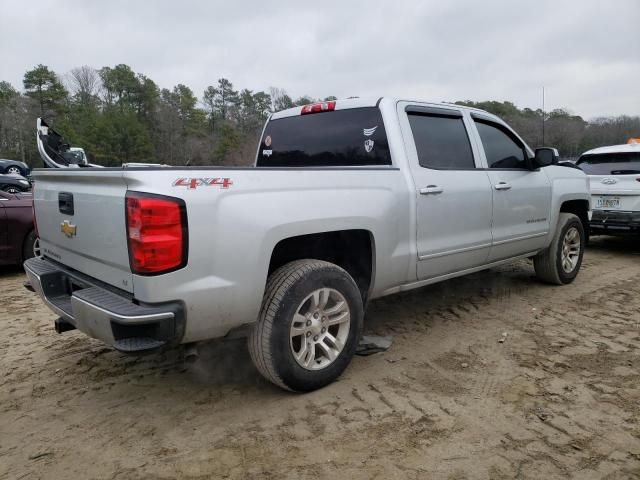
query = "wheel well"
{"x": 24, "y": 243}
{"x": 579, "y": 208}
{"x": 349, "y": 249}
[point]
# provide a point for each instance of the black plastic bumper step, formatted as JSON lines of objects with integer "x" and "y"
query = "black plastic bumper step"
{"x": 137, "y": 344}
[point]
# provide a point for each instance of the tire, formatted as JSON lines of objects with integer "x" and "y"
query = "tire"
{"x": 299, "y": 290}
{"x": 550, "y": 264}
{"x": 14, "y": 171}
{"x": 28, "y": 250}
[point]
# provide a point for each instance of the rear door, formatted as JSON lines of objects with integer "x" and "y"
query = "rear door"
{"x": 521, "y": 197}
{"x": 452, "y": 191}
{"x": 81, "y": 222}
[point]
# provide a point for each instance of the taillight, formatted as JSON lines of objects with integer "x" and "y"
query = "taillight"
{"x": 329, "y": 106}
{"x": 156, "y": 233}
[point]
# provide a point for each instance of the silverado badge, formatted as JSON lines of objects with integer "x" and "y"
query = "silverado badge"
{"x": 68, "y": 229}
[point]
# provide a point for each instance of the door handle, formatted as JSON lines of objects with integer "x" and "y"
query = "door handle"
{"x": 431, "y": 190}
{"x": 502, "y": 186}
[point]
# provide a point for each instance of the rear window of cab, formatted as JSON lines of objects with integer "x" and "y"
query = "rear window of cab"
{"x": 338, "y": 138}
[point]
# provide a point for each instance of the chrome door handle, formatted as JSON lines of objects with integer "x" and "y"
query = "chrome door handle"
{"x": 431, "y": 190}
{"x": 502, "y": 186}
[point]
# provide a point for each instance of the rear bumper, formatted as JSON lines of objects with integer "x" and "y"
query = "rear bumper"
{"x": 104, "y": 313}
{"x": 612, "y": 222}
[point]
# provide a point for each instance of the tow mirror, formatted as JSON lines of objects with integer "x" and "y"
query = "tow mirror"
{"x": 546, "y": 156}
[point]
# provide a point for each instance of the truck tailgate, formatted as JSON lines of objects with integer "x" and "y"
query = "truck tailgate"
{"x": 81, "y": 222}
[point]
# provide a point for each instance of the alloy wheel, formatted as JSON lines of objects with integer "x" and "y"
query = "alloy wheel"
{"x": 570, "y": 250}
{"x": 320, "y": 329}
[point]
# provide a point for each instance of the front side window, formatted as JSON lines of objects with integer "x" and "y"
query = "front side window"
{"x": 340, "y": 138}
{"x": 441, "y": 141}
{"x": 501, "y": 148}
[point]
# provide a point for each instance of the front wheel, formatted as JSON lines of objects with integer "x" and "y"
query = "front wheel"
{"x": 560, "y": 263}
{"x": 309, "y": 325}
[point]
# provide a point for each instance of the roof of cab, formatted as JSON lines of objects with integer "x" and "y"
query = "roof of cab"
{"x": 624, "y": 148}
{"x": 357, "y": 102}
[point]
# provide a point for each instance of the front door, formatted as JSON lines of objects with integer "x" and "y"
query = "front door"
{"x": 521, "y": 196}
{"x": 453, "y": 195}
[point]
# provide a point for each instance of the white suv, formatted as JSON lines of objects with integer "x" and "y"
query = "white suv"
{"x": 614, "y": 177}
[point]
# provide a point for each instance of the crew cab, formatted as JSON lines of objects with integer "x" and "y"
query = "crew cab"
{"x": 614, "y": 176}
{"x": 347, "y": 201}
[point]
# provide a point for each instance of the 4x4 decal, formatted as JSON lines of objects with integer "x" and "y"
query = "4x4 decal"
{"x": 193, "y": 183}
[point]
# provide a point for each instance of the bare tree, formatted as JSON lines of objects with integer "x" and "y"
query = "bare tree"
{"x": 84, "y": 83}
{"x": 280, "y": 100}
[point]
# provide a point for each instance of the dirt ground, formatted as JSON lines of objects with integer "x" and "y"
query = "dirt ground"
{"x": 559, "y": 398}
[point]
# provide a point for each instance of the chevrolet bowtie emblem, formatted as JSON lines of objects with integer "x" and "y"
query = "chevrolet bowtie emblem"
{"x": 68, "y": 229}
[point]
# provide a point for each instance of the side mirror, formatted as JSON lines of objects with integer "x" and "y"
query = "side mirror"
{"x": 546, "y": 156}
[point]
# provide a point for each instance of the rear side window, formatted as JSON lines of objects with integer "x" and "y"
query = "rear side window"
{"x": 501, "y": 148}
{"x": 610, "y": 163}
{"x": 339, "y": 138}
{"x": 441, "y": 141}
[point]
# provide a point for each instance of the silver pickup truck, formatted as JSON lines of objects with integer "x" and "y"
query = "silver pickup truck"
{"x": 348, "y": 201}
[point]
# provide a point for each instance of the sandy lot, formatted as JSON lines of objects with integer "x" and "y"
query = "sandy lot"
{"x": 559, "y": 398}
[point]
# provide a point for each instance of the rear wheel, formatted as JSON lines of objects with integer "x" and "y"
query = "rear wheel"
{"x": 560, "y": 263}
{"x": 309, "y": 325}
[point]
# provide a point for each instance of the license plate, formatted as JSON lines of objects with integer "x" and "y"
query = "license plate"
{"x": 608, "y": 203}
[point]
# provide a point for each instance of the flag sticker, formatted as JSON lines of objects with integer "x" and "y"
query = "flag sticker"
{"x": 369, "y": 131}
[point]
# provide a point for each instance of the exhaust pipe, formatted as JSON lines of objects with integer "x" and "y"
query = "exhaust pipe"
{"x": 191, "y": 353}
{"x": 61, "y": 325}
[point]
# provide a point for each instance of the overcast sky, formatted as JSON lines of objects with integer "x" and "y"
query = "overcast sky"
{"x": 585, "y": 52}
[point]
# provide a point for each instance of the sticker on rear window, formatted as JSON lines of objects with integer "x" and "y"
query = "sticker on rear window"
{"x": 368, "y": 145}
{"x": 369, "y": 131}
{"x": 267, "y": 140}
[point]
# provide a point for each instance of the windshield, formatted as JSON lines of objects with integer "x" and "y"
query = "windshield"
{"x": 627, "y": 163}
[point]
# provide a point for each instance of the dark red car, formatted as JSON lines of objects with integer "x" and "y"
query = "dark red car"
{"x": 18, "y": 239}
